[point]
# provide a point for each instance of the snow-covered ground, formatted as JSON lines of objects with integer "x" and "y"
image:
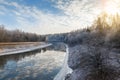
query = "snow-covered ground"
{"x": 21, "y": 48}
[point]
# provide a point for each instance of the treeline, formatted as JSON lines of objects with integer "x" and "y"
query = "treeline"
{"x": 104, "y": 31}
{"x": 18, "y": 36}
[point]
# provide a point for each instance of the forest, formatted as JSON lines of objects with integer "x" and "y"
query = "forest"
{"x": 18, "y": 36}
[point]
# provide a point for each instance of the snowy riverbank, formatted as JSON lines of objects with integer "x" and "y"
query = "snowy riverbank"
{"x": 87, "y": 62}
{"x": 22, "y": 49}
{"x": 65, "y": 68}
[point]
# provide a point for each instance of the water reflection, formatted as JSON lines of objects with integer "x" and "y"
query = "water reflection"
{"x": 31, "y": 66}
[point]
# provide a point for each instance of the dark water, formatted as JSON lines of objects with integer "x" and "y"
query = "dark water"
{"x": 31, "y": 66}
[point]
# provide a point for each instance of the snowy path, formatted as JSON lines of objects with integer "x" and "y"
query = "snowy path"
{"x": 24, "y": 49}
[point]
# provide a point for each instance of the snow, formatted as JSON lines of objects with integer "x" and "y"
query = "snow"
{"x": 23, "y": 49}
{"x": 65, "y": 68}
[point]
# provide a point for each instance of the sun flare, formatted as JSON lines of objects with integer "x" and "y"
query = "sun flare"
{"x": 112, "y": 7}
{"x": 111, "y": 10}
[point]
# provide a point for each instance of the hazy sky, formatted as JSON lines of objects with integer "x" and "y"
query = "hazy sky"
{"x": 49, "y": 16}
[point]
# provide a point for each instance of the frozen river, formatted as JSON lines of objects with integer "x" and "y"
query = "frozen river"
{"x": 31, "y": 66}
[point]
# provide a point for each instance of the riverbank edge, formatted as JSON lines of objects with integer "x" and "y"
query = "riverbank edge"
{"x": 65, "y": 70}
{"x": 23, "y": 50}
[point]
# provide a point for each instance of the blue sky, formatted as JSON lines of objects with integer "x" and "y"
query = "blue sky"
{"x": 9, "y": 10}
{"x": 48, "y": 16}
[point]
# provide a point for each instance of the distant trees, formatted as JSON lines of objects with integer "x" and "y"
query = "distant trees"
{"x": 18, "y": 36}
{"x": 3, "y": 34}
{"x": 56, "y": 37}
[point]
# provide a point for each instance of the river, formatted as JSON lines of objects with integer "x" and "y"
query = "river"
{"x": 31, "y": 66}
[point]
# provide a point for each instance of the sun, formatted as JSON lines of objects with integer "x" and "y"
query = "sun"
{"x": 112, "y": 8}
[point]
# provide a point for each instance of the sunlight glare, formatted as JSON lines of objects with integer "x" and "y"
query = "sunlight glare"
{"x": 112, "y": 8}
